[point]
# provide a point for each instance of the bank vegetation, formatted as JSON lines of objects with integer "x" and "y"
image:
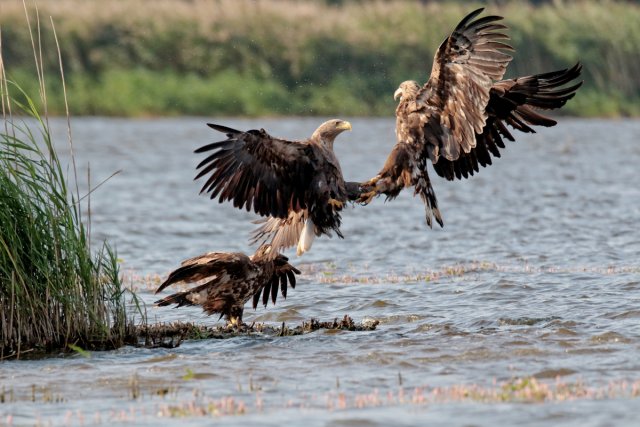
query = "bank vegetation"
{"x": 303, "y": 57}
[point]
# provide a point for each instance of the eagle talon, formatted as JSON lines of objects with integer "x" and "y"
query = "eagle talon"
{"x": 366, "y": 198}
{"x": 336, "y": 204}
{"x": 236, "y": 325}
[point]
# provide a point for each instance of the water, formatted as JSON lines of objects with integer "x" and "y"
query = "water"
{"x": 535, "y": 274}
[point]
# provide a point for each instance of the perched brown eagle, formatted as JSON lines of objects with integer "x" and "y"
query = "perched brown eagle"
{"x": 297, "y": 183}
{"x": 459, "y": 117}
{"x": 232, "y": 279}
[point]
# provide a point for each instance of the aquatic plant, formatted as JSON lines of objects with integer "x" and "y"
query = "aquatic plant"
{"x": 53, "y": 292}
{"x": 175, "y": 399}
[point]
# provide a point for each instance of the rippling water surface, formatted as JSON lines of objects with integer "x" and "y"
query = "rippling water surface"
{"x": 524, "y": 309}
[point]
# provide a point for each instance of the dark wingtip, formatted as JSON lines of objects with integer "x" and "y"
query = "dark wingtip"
{"x": 161, "y": 287}
{"x": 577, "y": 67}
{"x": 209, "y": 147}
{"x": 473, "y": 14}
{"x": 256, "y": 299}
{"x": 164, "y": 302}
{"x": 470, "y": 17}
{"x": 223, "y": 129}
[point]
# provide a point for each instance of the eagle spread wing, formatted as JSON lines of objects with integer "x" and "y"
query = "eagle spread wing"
{"x": 452, "y": 103}
{"x": 255, "y": 170}
{"x": 516, "y": 103}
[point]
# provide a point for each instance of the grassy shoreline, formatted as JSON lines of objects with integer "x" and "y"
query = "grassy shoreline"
{"x": 55, "y": 293}
{"x": 286, "y": 57}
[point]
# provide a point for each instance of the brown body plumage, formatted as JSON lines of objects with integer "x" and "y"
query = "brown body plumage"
{"x": 459, "y": 117}
{"x": 298, "y": 184}
{"x": 232, "y": 279}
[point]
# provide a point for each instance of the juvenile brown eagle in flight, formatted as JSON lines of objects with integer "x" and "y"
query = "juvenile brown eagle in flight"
{"x": 298, "y": 183}
{"x": 232, "y": 279}
{"x": 459, "y": 117}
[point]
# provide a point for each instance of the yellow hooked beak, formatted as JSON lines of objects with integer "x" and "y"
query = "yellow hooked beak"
{"x": 397, "y": 94}
{"x": 344, "y": 125}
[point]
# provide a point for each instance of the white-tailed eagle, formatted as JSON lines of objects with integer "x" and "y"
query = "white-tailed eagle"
{"x": 458, "y": 119}
{"x": 299, "y": 184}
{"x": 230, "y": 280}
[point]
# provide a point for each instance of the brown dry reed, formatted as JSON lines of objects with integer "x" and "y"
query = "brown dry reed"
{"x": 54, "y": 293}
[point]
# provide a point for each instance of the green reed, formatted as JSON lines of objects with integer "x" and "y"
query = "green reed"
{"x": 54, "y": 293}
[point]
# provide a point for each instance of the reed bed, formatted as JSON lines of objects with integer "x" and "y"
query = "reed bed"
{"x": 275, "y": 57}
{"x": 54, "y": 293}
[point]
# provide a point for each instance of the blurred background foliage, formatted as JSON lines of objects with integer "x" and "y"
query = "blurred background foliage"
{"x": 303, "y": 57}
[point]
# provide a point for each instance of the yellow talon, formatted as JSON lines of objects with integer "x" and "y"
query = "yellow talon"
{"x": 366, "y": 198}
{"x": 336, "y": 204}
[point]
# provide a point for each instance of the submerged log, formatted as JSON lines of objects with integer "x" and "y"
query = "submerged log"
{"x": 171, "y": 335}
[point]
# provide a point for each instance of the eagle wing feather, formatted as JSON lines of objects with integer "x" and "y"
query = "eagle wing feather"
{"x": 454, "y": 98}
{"x": 257, "y": 171}
{"x": 284, "y": 275}
{"x": 516, "y": 103}
{"x": 207, "y": 265}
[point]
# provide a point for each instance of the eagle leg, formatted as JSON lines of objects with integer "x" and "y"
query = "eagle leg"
{"x": 234, "y": 318}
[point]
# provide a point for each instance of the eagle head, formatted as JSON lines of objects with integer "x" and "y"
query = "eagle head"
{"x": 406, "y": 90}
{"x": 329, "y": 130}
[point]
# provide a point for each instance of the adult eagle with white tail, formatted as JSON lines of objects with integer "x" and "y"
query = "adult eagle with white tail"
{"x": 230, "y": 280}
{"x": 458, "y": 119}
{"x": 297, "y": 183}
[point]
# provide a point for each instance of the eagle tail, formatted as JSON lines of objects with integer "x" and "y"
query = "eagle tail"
{"x": 280, "y": 233}
{"x": 191, "y": 297}
{"x": 180, "y": 298}
{"x": 306, "y": 237}
{"x": 425, "y": 190}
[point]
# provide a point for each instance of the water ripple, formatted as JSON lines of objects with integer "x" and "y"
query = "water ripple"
{"x": 534, "y": 275}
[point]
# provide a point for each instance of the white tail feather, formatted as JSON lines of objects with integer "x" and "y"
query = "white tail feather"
{"x": 306, "y": 237}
